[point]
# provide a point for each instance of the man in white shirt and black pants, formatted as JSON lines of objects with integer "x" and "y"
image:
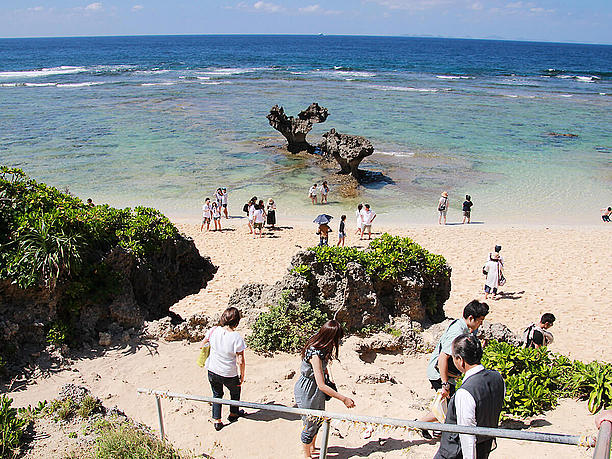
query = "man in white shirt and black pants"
{"x": 478, "y": 402}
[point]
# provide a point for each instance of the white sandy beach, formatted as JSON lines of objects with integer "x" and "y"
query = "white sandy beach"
{"x": 563, "y": 270}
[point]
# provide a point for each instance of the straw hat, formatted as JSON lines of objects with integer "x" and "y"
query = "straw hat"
{"x": 444, "y": 194}
{"x": 270, "y": 201}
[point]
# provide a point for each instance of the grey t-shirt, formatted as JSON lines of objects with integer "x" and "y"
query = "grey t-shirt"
{"x": 457, "y": 328}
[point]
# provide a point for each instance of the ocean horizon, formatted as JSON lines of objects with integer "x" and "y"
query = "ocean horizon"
{"x": 523, "y": 127}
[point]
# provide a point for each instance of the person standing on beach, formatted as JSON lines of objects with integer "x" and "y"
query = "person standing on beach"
{"x": 443, "y": 207}
{"x": 367, "y": 217}
{"x": 224, "y": 202}
{"x": 259, "y": 218}
{"x": 323, "y": 233}
{"x": 216, "y": 215}
{"x": 605, "y": 214}
{"x": 324, "y": 192}
{"x": 206, "y": 215}
{"x": 467, "y": 208}
{"x": 219, "y": 197}
{"x": 441, "y": 370}
{"x": 477, "y": 403}
{"x": 251, "y": 209}
{"x": 359, "y": 219}
{"x": 226, "y": 363}
{"x": 315, "y": 383}
{"x": 342, "y": 231}
{"x": 312, "y": 193}
{"x": 271, "y": 213}
{"x": 493, "y": 270}
{"x": 537, "y": 335}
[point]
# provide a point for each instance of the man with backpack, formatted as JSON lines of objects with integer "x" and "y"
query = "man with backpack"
{"x": 537, "y": 335}
{"x": 441, "y": 370}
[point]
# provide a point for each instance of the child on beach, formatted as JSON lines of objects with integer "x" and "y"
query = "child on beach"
{"x": 216, "y": 215}
{"x": 324, "y": 192}
{"x": 312, "y": 193}
{"x": 206, "y": 215}
{"x": 323, "y": 233}
{"x": 605, "y": 214}
{"x": 467, "y": 208}
{"x": 314, "y": 384}
{"x": 341, "y": 231}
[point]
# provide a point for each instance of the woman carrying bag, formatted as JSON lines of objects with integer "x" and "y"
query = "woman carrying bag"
{"x": 314, "y": 385}
{"x": 225, "y": 363}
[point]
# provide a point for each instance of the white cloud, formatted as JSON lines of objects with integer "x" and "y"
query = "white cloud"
{"x": 268, "y": 7}
{"x": 94, "y": 7}
{"x": 413, "y": 5}
{"x": 137, "y": 8}
{"x": 36, "y": 8}
{"x": 477, "y": 6}
{"x": 310, "y": 9}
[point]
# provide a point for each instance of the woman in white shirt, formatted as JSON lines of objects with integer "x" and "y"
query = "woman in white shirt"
{"x": 225, "y": 363}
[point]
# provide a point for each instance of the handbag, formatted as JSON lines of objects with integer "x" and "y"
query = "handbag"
{"x": 330, "y": 383}
{"x": 439, "y": 407}
{"x": 502, "y": 280}
{"x": 205, "y": 351}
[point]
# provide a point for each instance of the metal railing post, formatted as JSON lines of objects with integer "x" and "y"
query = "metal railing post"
{"x": 160, "y": 416}
{"x": 324, "y": 438}
{"x": 602, "y": 447}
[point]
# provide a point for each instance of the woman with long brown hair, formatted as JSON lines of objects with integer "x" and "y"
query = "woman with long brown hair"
{"x": 314, "y": 381}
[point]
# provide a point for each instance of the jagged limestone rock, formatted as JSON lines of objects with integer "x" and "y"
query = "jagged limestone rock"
{"x": 296, "y": 129}
{"x": 347, "y": 150}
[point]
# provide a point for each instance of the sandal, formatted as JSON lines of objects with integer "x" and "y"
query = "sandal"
{"x": 218, "y": 426}
{"x": 235, "y": 417}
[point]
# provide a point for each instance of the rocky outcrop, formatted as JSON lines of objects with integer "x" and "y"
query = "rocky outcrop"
{"x": 175, "y": 329}
{"x": 347, "y": 150}
{"x": 353, "y": 296}
{"x": 142, "y": 289}
{"x": 498, "y": 332}
{"x": 296, "y": 129}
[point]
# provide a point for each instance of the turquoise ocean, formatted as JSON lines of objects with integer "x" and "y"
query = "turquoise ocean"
{"x": 163, "y": 121}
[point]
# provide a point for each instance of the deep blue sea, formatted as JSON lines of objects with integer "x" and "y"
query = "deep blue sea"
{"x": 164, "y": 120}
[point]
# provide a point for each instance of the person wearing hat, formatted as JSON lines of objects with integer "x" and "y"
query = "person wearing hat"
{"x": 493, "y": 270}
{"x": 443, "y": 207}
{"x": 271, "y": 213}
{"x": 224, "y": 202}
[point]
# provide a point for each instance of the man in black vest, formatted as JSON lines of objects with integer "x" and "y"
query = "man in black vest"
{"x": 478, "y": 402}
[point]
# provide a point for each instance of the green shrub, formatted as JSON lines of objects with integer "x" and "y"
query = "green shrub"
{"x": 48, "y": 236}
{"x": 89, "y": 405}
{"x": 58, "y": 334}
{"x": 536, "y": 379}
{"x": 387, "y": 257}
{"x": 12, "y": 429}
{"x": 126, "y": 441}
{"x": 302, "y": 270}
{"x": 285, "y": 327}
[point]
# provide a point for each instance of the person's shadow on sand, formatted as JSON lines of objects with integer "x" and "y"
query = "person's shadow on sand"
{"x": 382, "y": 445}
{"x": 510, "y": 295}
{"x": 265, "y": 415}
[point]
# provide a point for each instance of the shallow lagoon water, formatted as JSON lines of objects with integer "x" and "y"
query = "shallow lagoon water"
{"x": 163, "y": 121}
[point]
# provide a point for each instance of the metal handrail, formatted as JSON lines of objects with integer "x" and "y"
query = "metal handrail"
{"x": 326, "y": 416}
{"x": 602, "y": 447}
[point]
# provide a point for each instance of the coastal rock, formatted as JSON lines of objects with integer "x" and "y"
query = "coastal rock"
{"x": 498, "y": 332}
{"x": 351, "y": 295}
{"x": 376, "y": 378}
{"x": 105, "y": 339}
{"x": 296, "y": 129}
{"x": 143, "y": 289}
{"x": 347, "y": 150}
{"x": 176, "y": 329}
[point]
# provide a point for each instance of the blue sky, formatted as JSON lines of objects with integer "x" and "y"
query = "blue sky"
{"x": 586, "y": 21}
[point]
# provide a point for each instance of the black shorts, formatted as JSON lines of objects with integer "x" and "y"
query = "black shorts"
{"x": 436, "y": 384}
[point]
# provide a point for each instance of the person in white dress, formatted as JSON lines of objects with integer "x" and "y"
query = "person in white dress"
{"x": 493, "y": 270}
{"x": 206, "y": 215}
{"x": 312, "y": 193}
{"x": 359, "y": 220}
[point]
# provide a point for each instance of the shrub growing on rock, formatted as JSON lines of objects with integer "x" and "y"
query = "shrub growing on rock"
{"x": 285, "y": 327}
{"x": 12, "y": 429}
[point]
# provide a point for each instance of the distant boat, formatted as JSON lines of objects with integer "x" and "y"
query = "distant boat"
{"x": 321, "y": 34}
